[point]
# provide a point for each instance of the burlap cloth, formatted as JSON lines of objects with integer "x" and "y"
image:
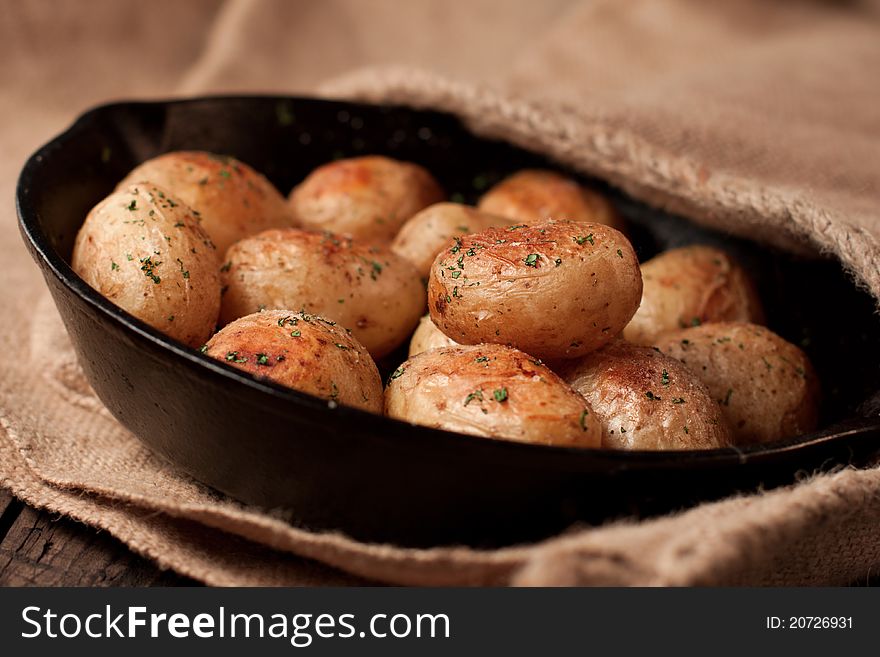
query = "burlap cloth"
{"x": 757, "y": 117}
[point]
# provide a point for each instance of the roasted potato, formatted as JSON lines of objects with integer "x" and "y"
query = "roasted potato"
{"x": 554, "y": 290}
{"x": 490, "y": 390}
{"x": 428, "y": 336}
{"x": 425, "y": 234}
{"x": 646, "y": 400}
{"x": 766, "y": 386}
{"x": 368, "y": 198}
{"x": 232, "y": 200}
{"x": 690, "y": 286}
{"x": 534, "y": 196}
{"x": 301, "y": 351}
{"x": 367, "y": 289}
{"x": 144, "y": 249}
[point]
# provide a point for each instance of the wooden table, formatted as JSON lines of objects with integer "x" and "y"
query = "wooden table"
{"x": 41, "y": 549}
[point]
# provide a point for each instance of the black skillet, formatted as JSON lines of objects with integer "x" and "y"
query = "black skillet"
{"x": 377, "y": 479}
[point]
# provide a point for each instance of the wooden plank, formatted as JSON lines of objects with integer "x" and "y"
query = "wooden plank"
{"x": 40, "y": 549}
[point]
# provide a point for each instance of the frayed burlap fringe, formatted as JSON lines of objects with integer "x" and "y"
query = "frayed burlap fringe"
{"x": 671, "y": 181}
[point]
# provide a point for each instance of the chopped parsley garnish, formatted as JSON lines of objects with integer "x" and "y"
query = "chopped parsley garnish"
{"x": 726, "y": 401}
{"x": 664, "y": 378}
{"x": 619, "y": 253}
{"x": 650, "y": 395}
{"x": 203, "y": 349}
{"x": 500, "y": 395}
{"x": 476, "y": 394}
{"x": 585, "y": 238}
{"x": 132, "y": 206}
{"x": 227, "y": 267}
{"x": 148, "y": 267}
{"x": 295, "y": 334}
{"x": 396, "y": 374}
{"x": 113, "y": 266}
{"x": 583, "y": 419}
{"x": 262, "y": 359}
{"x": 531, "y": 260}
{"x": 558, "y": 261}
{"x": 232, "y": 356}
{"x": 678, "y": 400}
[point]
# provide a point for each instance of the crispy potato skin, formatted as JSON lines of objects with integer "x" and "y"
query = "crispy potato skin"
{"x": 145, "y": 251}
{"x": 490, "y": 390}
{"x": 428, "y": 336}
{"x": 646, "y": 400}
{"x": 234, "y": 201}
{"x": 368, "y": 289}
{"x": 426, "y": 234}
{"x": 533, "y": 196}
{"x": 368, "y": 198}
{"x": 692, "y": 285}
{"x": 554, "y": 290}
{"x": 304, "y": 352}
{"x": 766, "y": 386}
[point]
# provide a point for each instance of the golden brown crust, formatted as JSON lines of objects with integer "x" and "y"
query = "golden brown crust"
{"x": 646, "y": 400}
{"x": 490, "y": 390}
{"x": 366, "y": 288}
{"x": 233, "y": 199}
{"x": 427, "y": 232}
{"x": 144, "y": 250}
{"x": 690, "y": 286}
{"x": 428, "y": 336}
{"x": 368, "y": 198}
{"x": 554, "y": 290}
{"x": 766, "y": 386}
{"x": 533, "y": 196}
{"x": 304, "y": 352}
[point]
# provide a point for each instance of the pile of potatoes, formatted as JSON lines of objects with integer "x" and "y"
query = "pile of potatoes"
{"x": 541, "y": 324}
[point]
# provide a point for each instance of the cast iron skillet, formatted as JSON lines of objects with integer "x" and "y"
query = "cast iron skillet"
{"x": 371, "y": 477}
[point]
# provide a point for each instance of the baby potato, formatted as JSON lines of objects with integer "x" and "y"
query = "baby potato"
{"x": 304, "y": 352}
{"x": 428, "y": 336}
{"x": 145, "y": 251}
{"x": 490, "y": 390}
{"x": 554, "y": 290}
{"x": 689, "y": 286}
{"x": 232, "y": 199}
{"x": 425, "y": 234}
{"x": 766, "y": 386}
{"x": 368, "y": 198}
{"x": 533, "y": 196}
{"x": 646, "y": 400}
{"x": 368, "y": 289}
